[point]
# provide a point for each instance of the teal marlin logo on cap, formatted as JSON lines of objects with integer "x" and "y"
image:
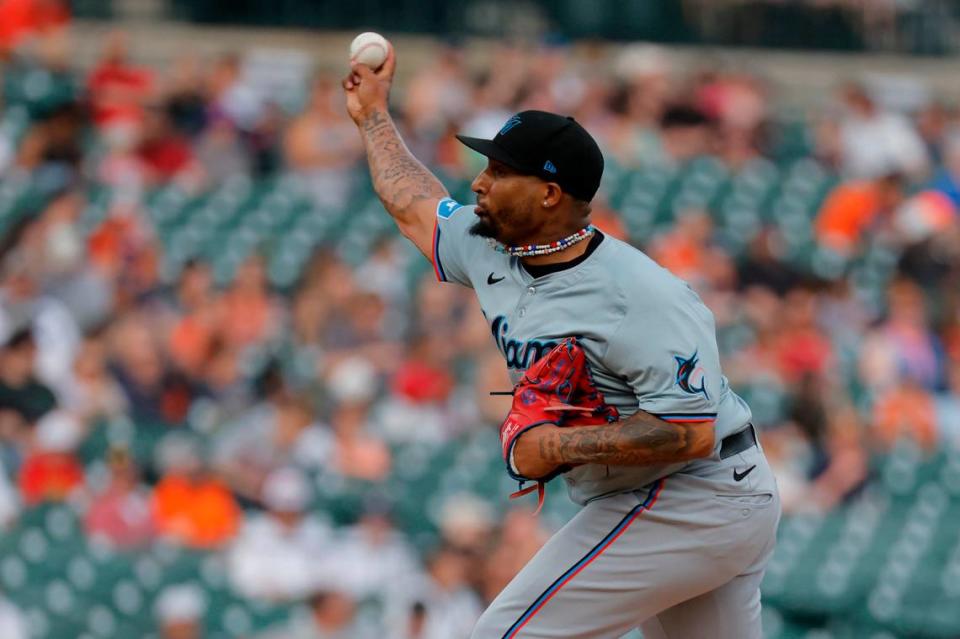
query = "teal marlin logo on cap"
{"x": 511, "y": 123}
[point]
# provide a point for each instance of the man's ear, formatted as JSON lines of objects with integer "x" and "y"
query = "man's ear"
{"x": 552, "y": 194}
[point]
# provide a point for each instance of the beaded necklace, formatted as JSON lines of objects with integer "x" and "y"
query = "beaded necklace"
{"x": 528, "y": 250}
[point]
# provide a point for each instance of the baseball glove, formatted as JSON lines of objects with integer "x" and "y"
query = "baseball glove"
{"x": 556, "y": 389}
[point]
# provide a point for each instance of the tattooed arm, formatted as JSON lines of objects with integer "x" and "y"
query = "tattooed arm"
{"x": 407, "y": 189}
{"x": 637, "y": 440}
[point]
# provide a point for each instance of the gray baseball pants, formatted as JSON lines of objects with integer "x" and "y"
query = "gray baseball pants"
{"x": 681, "y": 558}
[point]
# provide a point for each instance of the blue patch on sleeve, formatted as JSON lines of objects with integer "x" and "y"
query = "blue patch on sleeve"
{"x": 447, "y": 207}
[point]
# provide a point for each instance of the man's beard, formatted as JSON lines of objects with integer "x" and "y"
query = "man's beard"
{"x": 483, "y": 228}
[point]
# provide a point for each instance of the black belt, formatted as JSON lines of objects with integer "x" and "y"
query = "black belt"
{"x": 738, "y": 442}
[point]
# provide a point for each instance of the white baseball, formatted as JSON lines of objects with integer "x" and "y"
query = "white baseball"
{"x": 369, "y": 48}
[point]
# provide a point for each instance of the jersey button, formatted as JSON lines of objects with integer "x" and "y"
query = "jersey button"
{"x": 523, "y": 312}
{"x": 531, "y": 290}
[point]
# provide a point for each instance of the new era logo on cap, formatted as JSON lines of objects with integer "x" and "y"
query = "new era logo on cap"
{"x": 549, "y": 167}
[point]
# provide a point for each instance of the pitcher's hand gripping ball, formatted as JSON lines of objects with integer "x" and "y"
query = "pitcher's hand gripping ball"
{"x": 370, "y": 49}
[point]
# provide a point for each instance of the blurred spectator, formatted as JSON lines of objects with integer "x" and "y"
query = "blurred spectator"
{"x": 90, "y": 392}
{"x": 802, "y": 347}
{"x": 358, "y": 452}
{"x": 184, "y": 95}
{"x": 327, "y": 284}
{"x": 686, "y": 133}
{"x": 322, "y": 147}
{"x": 231, "y": 97}
{"x": 190, "y": 505}
{"x": 13, "y": 623}
{"x": 467, "y": 523}
{"x": 686, "y": 251}
{"x": 25, "y": 302}
{"x": 118, "y": 90}
{"x": 638, "y": 102}
{"x": 854, "y": 208}
{"x": 762, "y": 265}
{"x": 197, "y": 318}
{"x": 9, "y": 500}
{"x": 372, "y": 556}
{"x": 251, "y": 314}
{"x": 331, "y": 613}
{"x": 437, "y": 605}
{"x": 737, "y": 103}
{"x": 875, "y": 142}
{"x": 417, "y": 409}
{"x": 521, "y": 536}
{"x": 903, "y": 346}
{"x": 279, "y": 555}
{"x": 906, "y": 411}
{"x": 947, "y": 181}
{"x": 120, "y": 515}
{"x": 164, "y": 153}
{"x": 837, "y": 461}
{"x": 51, "y": 470}
{"x": 179, "y": 610}
{"x": 439, "y": 92}
{"x": 280, "y": 432}
{"x": 123, "y": 248}
{"x": 156, "y": 394}
{"x": 21, "y": 20}
{"x": 22, "y": 396}
{"x": 51, "y": 148}
{"x": 221, "y": 152}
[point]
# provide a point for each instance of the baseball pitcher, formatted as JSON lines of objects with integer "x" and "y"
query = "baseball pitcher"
{"x": 618, "y": 389}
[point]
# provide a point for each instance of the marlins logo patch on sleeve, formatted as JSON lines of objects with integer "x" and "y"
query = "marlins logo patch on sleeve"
{"x": 688, "y": 373}
{"x": 447, "y": 207}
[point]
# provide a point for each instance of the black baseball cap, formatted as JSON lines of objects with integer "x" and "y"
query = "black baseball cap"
{"x": 552, "y": 147}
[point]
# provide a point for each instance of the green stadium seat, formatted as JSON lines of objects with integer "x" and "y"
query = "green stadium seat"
{"x": 38, "y": 621}
{"x": 13, "y": 572}
{"x": 101, "y": 621}
{"x": 236, "y": 620}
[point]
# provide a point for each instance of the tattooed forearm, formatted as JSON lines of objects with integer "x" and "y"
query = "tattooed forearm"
{"x": 398, "y": 178}
{"x": 637, "y": 440}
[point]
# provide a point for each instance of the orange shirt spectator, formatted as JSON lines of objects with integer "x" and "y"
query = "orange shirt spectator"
{"x": 684, "y": 250}
{"x": 192, "y": 340}
{"x": 853, "y": 207}
{"x": 609, "y": 223}
{"x": 199, "y": 512}
{"x": 906, "y": 411}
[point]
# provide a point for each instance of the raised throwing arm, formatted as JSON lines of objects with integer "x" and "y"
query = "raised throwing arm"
{"x": 408, "y": 190}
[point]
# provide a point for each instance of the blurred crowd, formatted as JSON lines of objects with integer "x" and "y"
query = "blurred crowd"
{"x": 361, "y": 363}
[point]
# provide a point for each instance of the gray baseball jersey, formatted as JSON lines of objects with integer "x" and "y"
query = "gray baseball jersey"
{"x": 649, "y": 339}
{"x": 678, "y": 550}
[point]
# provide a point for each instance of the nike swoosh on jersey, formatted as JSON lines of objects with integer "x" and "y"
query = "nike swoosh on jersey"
{"x": 491, "y": 280}
{"x": 739, "y": 476}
